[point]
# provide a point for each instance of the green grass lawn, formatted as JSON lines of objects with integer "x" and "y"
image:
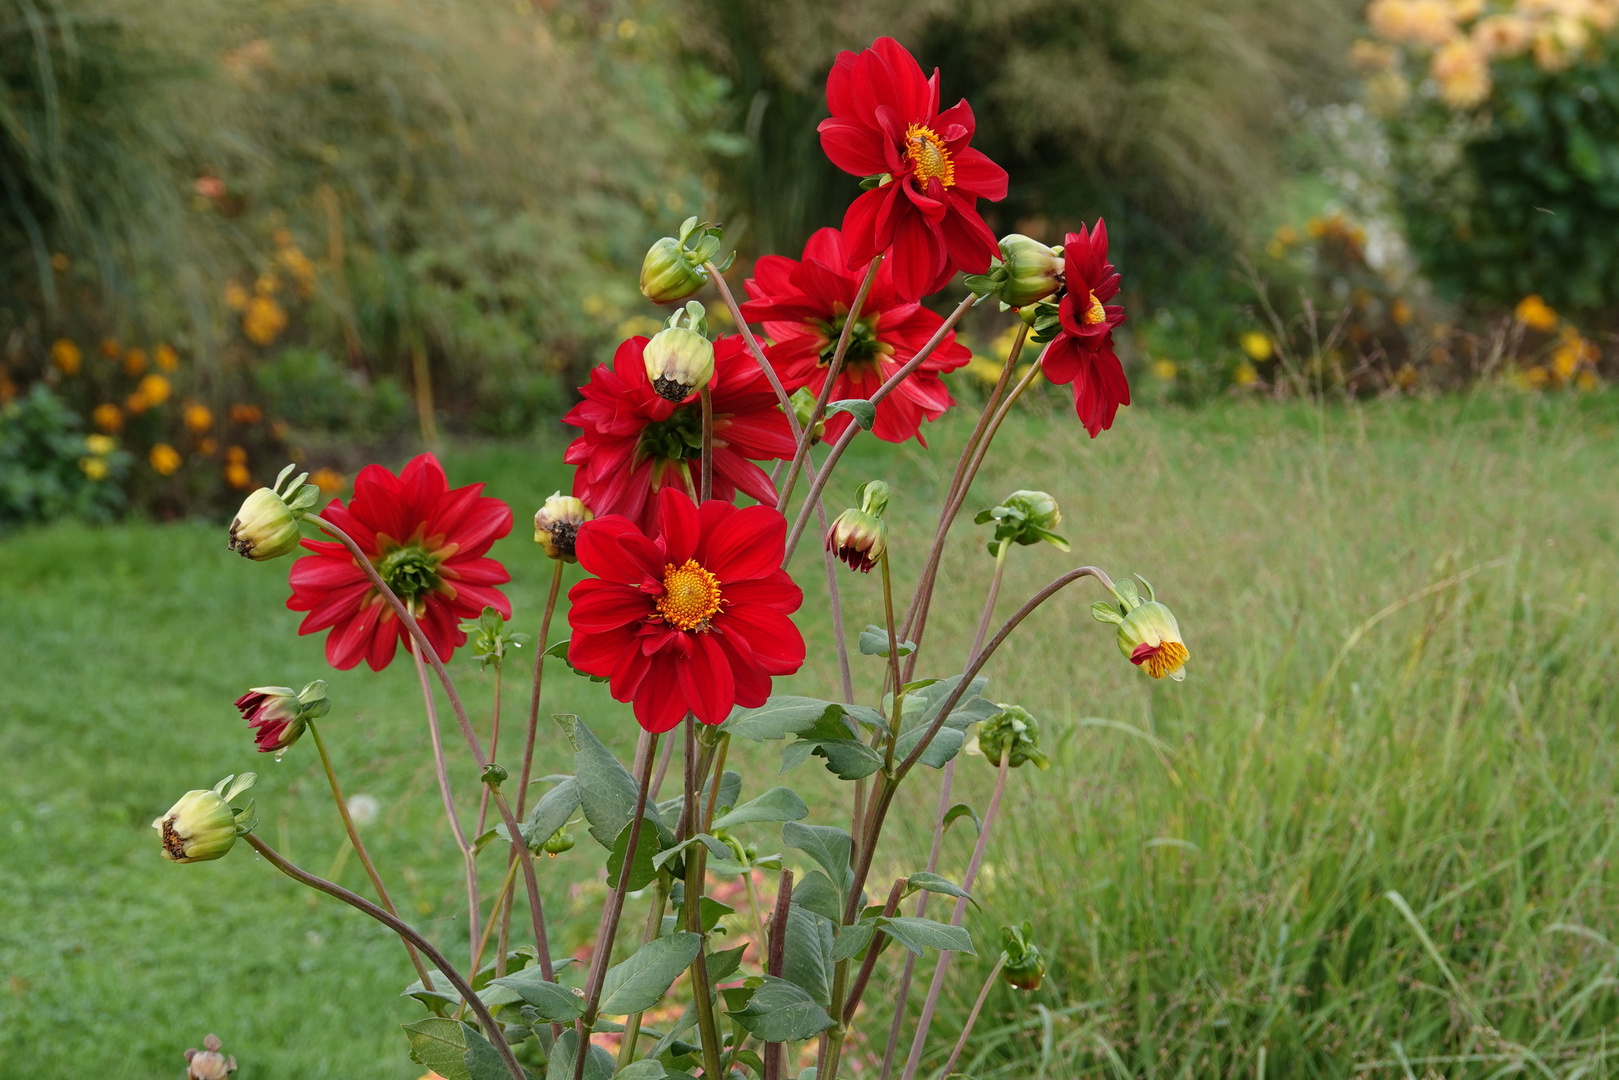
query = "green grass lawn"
{"x": 1401, "y": 618}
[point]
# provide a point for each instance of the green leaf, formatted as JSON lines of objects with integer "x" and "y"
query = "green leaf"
{"x": 638, "y": 983}
{"x": 961, "y": 809}
{"x": 935, "y": 884}
{"x": 778, "y": 718}
{"x": 599, "y": 1064}
{"x": 863, "y": 411}
{"x": 454, "y": 1050}
{"x": 874, "y": 642}
{"x": 807, "y": 957}
{"x": 779, "y": 1011}
{"x": 716, "y": 847}
{"x": 847, "y": 759}
{"x": 645, "y": 1069}
{"x": 828, "y": 845}
{"x": 723, "y": 964}
{"x": 555, "y": 1003}
{"x": 852, "y": 940}
{"x": 816, "y": 893}
{"x": 918, "y": 934}
{"x": 606, "y": 788}
{"x": 644, "y": 868}
{"x": 551, "y": 812}
{"x": 777, "y": 804}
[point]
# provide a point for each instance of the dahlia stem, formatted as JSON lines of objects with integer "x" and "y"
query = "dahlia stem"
{"x": 468, "y": 857}
{"x": 817, "y": 483}
{"x": 893, "y": 664}
{"x": 654, "y": 924}
{"x": 494, "y": 913}
{"x": 692, "y": 902}
{"x": 972, "y": 1017}
{"x": 528, "y": 747}
{"x": 942, "y": 968}
{"x": 494, "y": 751}
{"x": 663, "y": 769}
{"x": 706, "y": 492}
{"x": 832, "y": 371}
{"x": 857, "y": 989}
{"x": 775, "y": 962}
{"x": 359, "y": 848}
{"x": 425, "y": 647}
{"x": 491, "y": 1029}
{"x": 994, "y": 593}
{"x": 608, "y": 930}
{"x": 782, "y": 396}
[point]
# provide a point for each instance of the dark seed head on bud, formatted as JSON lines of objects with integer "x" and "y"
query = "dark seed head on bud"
{"x": 556, "y": 525}
{"x": 669, "y": 390}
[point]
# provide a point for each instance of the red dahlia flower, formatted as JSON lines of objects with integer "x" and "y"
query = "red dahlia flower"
{"x": 635, "y": 443}
{"x": 691, "y": 619}
{"x": 426, "y": 541}
{"x": 886, "y": 122}
{"x": 1082, "y": 353}
{"x": 803, "y": 306}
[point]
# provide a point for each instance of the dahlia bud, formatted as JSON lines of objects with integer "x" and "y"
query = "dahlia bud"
{"x": 557, "y": 843}
{"x": 556, "y": 525}
{"x": 208, "y": 1063}
{"x": 1025, "y": 517}
{"x": 674, "y": 267}
{"x": 1026, "y": 273}
{"x": 803, "y": 403}
{"x": 266, "y": 527}
{"x": 1012, "y": 735}
{"x": 680, "y": 359}
{"x": 279, "y": 714}
{"x": 1022, "y": 966}
{"x": 1148, "y": 635}
{"x": 203, "y": 825}
{"x": 859, "y": 536}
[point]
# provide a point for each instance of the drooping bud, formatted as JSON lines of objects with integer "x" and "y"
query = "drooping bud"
{"x": 1012, "y": 734}
{"x": 557, "y": 843}
{"x": 556, "y": 525}
{"x": 203, "y": 825}
{"x": 1022, "y": 966}
{"x": 208, "y": 1063}
{"x": 1026, "y": 273}
{"x": 1149, "y": 636}
{"x": 1025, "y": 517}
{"x": 279, "y": 714}
{"x": 859, "y": 536}
{"x": 803, "y": 403}
{"x": 266, "y": 527}
{"x": 674, "y": 266}
{"x": 680, "y": 358}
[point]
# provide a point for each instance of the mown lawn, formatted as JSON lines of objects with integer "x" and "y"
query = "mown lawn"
{"x": 1401, "y": 618}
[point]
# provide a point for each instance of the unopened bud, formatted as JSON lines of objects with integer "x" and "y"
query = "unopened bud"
{"x": 266, "y": 527}
{"x": 674, "y": 267}
{"x": 1012, "y": 735}
{"x": 557, "y": 843}
{"x": 1148, "y": 636}
{"x": 1025, "y": 517}
{"x": 208, "y": 1063}
{"x": 803, "y": 403}
{"x": 1026, "y": 273}
{"x": 680, "y": 358}
{"x": 556, "y": 525}
{"x": 1022, "y": 966}
{"x": 202, "y": 825}
{"x": 859, "y": 536}
{"x": 279, "y": 714}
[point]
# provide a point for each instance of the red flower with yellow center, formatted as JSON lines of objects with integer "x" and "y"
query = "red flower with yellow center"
{"x": 427, "y": 542}
{"x": 692, "y": 618}
{"x": 803, "y": 307}
{"x": 634, "y": 443}
{"x": 886, "y": 124}
{"x": 1082, "y": 353}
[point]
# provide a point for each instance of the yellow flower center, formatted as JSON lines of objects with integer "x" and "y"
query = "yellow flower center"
{"x": 1166, "y": 659}
{"x": 1095, "y": 312}
{"x": 929, "y": 158}
{"x": 691, "y": 596}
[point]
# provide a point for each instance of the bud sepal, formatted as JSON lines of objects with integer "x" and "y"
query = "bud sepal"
{"x": 675, "y": 267}
{"x": 1022, "y": 965}
{"x": 1025, "y": 517}
{"x": 680, "y": 358}
{"x": 1014, "y": 735}
{"x": 1149, "y": 636}
{"x": 266, "y": 527}
{"x": 203, "y": 825}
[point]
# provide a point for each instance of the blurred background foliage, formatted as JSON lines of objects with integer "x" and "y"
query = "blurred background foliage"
{"x": 235, "y": 233}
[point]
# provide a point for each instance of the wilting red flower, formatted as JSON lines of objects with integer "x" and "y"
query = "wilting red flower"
{"x": 1082, "y": 353}
{"x": 803, "y": 306}
{"x": 635, "y": 443}
{"x": 275, "y": 714}
{"x": 886, "y": 122}
{"x": 690, "y": 619}
{"x": 426, "y": 541}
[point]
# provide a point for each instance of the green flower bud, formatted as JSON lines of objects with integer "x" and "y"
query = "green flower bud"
{"x": 803, "y": 403}
{"x": 556, "y": 525}
{"x": 1014, "y": 735}
{"x": 680, "y": 358}
{"x": 1022, "y": 966}
{"x": 489, "y": 638}
{"x": 557, "y": 843}
{"x": 674, "y": 266}
{"x": 1025, "y": 517}
{"x": 1148, "y": 636}
{"x": 266, "y": 527}
{"x": 1026, "y": 273}
{"x": 203, "y": 825}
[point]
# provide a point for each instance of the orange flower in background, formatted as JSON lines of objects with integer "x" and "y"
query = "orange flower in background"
{"x": 154, "y": 388}
{"x": 66, "y": 356}
{"x": 1463, "y": 74}
{"x": 198, "y": 417}
{"x": 107, "y": 417}
{"x": 245, "y": 414}
{"x": 164, "y": 459}
{"x": 236, "y": 455}
{"x": 330, "y": 481}
{"x": 263, "y": 320}
{"x": 236, "y": 296}
{"x": 1536, "y": 314}
{"x": 1400, "y": 312}
{"x": 8, "y": 389}
{"x": 207, "y": 447}
{"x": 166, "y": 358}
{"x": 1502, "y": 36}
{"x": 1412, "y": 22}
{"x": 237, "y": 476}
{"x": 134, "y": 362}
{"x": 111, "y": 349}
{"x": 137, "y": 403}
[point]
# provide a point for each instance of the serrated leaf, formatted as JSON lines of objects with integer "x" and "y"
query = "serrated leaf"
{"x": 454, "y": 1050}
{"x": 874, "y": 642}
{"x": 777, "y": 718}
{"x": 852, "y": 940}
{"x": 599, "y": 1064}
{"x": 863, "y": 411}
{"x": 644, "y": 868}
{"x": 556, "y": 1004}
{"x": 777, "y": 804}
{"x": 848, "y": 759}
{"x": 868, "y": 717}
{"x": 779, "y": 1011}
{"x": 723, "y": 964}
{"x": 640, "y": 981}
{"x": 814, "y": 892}
{"x": 934, "y": 883}
{"x": 828, "y": 845}
{"x": 918, "y": 934}
{"x": 807, "y": 956}
{"x": 551, "y": 812}
{"x": 606, "y": 788}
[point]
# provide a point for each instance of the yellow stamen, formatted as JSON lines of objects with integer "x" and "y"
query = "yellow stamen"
{"x": 929, "y": 158}
{"x": 1167, "y": 660}
{"x": 691, "y": 596}
{"x": 1095, "y": 312}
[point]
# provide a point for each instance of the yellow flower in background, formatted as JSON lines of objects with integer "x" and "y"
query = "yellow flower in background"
{"x": 198, "y": 417}
{"x": 1386, "y": 92}
{"x": 111, "y": 349}
{"x": 236, "y": 296}
{"x": 267, "y": 285}
{"x": 1245, "y": 375}
{"x": 263, "y": 320}
{"x": 594, "y": 306}
{"x": 1557, "y": 43}
{"x": 134, "y": 362}
{"x": 107, "y": 416}
{"x": 154, "y": 388}
{"x": 1463, "y": 74}
{"x": 166, "y": 358}
{"x": 66, "y": 356}
{"x": 1164, "y": 369}
{"x": 164, "y": 459}
{"x": 136, "y": 403}
{"x": 330, "y": 481}
{"x": 296, "y": 263}
{"x": 1287, "y": 234}
{"x": 1406, "y": 377}
{"x": 93, "y": 468}
{"x": 984, "y": 370}
{"x": 1536, "y": 314}
{"x": 236, "y": 456}
{"x": 1412, "y": 22}
{"x": 1370, "y": 56}
{"x": 100, "y": 445}
{"x": 1400, "y": 313}
{"x": 1501, "y": 37}
{"x": 1587, "y": 380}
{"x": 1256, "y": 345}
{"x": 642, "y": 326}
{"x": 208, "y": 447}
{"x": 1466, "y": 10}
{"x": 237, "y": 476}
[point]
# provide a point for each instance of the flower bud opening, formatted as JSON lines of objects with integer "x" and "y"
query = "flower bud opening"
{"x": 556, "y": 525}
{"x": 203, "y": 825}
{"x": 858, "y": 538}
{"x": 1022, "y": 965}
{"x": 266, "y": 527}
{"x": 675, "y": 266}
{"x": 679, "y": 361}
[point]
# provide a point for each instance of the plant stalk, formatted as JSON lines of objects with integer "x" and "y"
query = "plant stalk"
{"x": 693, "y": 904}
{"x": 468, "y": 856}
{"x": 972, "y": 1017}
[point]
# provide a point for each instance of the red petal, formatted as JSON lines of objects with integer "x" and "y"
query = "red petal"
{"x": 706, "y": 679}
{"x": 600, "y": 606}
{"x": 613, "y": 549}
{"x": 678, "y": 525}
{"x": 750, "y": 546}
